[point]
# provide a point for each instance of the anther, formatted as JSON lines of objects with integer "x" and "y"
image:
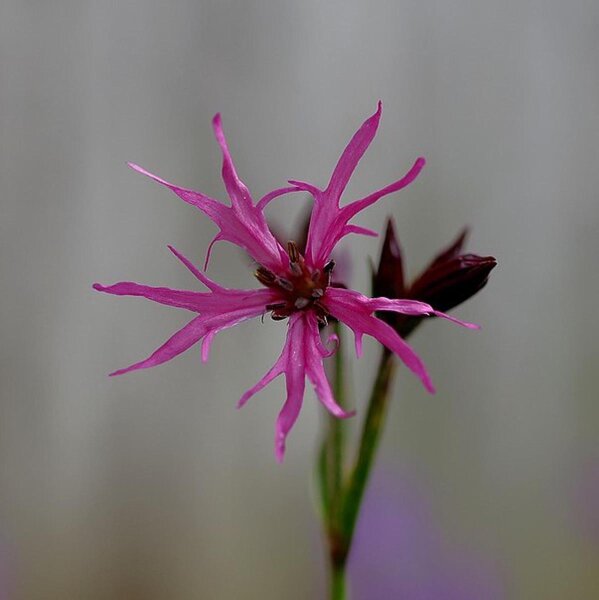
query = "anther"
{"x": 329, "y": 266}
{"x": 276, "y": 306}
{"x": 264, "y": 276}
{"x": 301, "y": 302}
{"x": 293, "y": 252}
{"x": 284, "y": 283}
{"x": 317, "y": 293}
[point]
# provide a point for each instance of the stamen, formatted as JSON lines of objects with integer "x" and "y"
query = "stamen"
{"x": 295, "y": 259}
{"x": 276, "y": 306}
{"x": 284, "y": 283}
{"x": 296, "y": 269}
{"x": 277, "y": 317}
{"x": 322, "y": 320}
{"x": 317, "y": 293}
{"x": 329, "y": 266}
{"x": 293, "y": 252}
{"x": 301, "y": 303}
{"x": 264, "y": 276}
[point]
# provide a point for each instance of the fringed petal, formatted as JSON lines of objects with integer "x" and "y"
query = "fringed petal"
{"x": 175, "y": 345}
{"x": 354, "y": 310}
{"x": 242, "y": 223}
{"x": 314, "y": 353}
{"x": 329, "y": 223}
{"x": 218, "y": 301}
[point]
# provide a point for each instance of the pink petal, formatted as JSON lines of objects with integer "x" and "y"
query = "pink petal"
{"x": 202, "y": 326}
{"x": 218, "y": 301}
{"x": 314, "y": 353}
{"x": 326, "y": 203}
{"x": 295, "y": 381}
{"x": 352, "y": 155}
{"x": 277, "y": 369}
{"x": 178, "y": 298}
{"x": 220, "y": 310}
{"x": 242, "y": 224}
{"x": 237, "y": 190}
{"x": 328, "y": 222}
{"x": 351, "y": 210}
{"x": 413, "y": 308}
{"x": 359, "y": 231}
{"x": 178, "y": 343}
{"x": 212, "y": 285}
{"x": 456, "y": 321}
{"x": 290, "y": 363}
{"x": 354, "y": 310}
{"x": 302, "y": 356}
{"x": 265, "y": 200}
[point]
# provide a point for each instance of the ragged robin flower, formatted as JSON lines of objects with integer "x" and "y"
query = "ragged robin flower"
{"x": 295, "y": 285}
{"x": 450, "y": 279}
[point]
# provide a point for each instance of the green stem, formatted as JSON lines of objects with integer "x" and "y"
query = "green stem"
{"x": 337, "y": 426}
{"x": 342, "y": 501}
{"x": 331, "y": 475}
{"x": 338, "y": 587}
{"x": 371, "y": 434}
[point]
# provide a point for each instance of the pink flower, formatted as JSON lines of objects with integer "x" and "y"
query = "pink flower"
{"x": 294, "y": 286}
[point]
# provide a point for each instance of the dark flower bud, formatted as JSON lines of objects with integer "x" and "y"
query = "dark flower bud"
{"x": 450, "y": 279}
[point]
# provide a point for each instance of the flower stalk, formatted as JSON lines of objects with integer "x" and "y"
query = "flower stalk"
{"x": 344, "y": 504}
{"x": 449, "y": 280}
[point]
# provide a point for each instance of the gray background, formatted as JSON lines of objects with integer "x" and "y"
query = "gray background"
{"x": 152, "y": 486}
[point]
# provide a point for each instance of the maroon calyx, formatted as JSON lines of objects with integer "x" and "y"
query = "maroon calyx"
{"x": 300, "y": 289}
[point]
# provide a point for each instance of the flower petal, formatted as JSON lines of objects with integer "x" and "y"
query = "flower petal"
{"x": 354, "y": 310}
{"x": 302, "y": 356}
{"x": 314, "y": 353}
{"x": 175, "y": 345}
{"x": 219, "y": 301}
{"x": 351, "y": 210}
{"x": 209, "y": 283}
{"x": 221, "y": 308}
{"x": 202, "y": 326}
{"x": 326, "y": 203}
{"x": 242, "y": 224}
{"x": 329, "y": 223}
{"x": 268, "y": 198}
{"x": 237, "y": 190}
{"x": 352, "y": 154}
{"x": 178, "y": 298}
{"x": 290, "y": 363}
{"x": 295, "y": 382}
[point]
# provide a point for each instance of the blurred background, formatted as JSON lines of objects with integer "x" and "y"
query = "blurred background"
{"x": 153, "y": 486}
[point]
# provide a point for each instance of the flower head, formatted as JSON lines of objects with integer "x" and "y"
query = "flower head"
{"x": 450, "y": 279}
{"x": 295, "y": 285}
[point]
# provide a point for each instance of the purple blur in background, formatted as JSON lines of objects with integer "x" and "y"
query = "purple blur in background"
{"x": 402, "y": 551}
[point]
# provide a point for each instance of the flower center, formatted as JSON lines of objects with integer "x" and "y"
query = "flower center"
{"x": 300, "y": 289}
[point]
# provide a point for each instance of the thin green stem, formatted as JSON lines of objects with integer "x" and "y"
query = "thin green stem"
{"x": 337, "y": 426}
{"x": 342, "y": 499}
{"x": 331, "y": 476}
{"x": 331, "y": 455}
{"x": 338, "y": 587}
{"x": 371, "y": 434}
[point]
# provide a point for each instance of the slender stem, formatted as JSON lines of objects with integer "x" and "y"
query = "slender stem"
{"x": 371, "y": 434}
{"x": 337, "y": 426}
{"x": 338, "y": 588}
{"x": 331, "y": 456}
{"x": 342, "y": 500}
{"x": 331, "y": 476}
